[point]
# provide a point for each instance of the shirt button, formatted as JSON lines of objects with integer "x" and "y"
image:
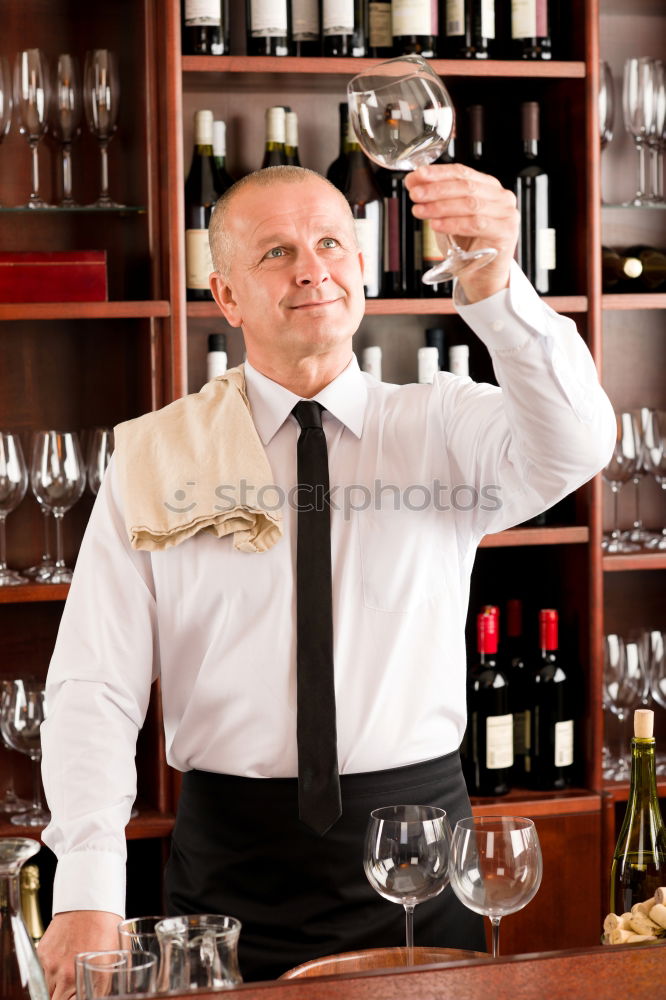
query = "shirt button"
{"x": 497, "y": 325}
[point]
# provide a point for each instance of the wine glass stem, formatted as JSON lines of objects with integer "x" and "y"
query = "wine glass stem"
{"x": 60, "y": 562}
{"x": 103, "y": 149}
{"x": 46, "y": 556}
{"x": 66, "y": 172}
{"x": 37, "y": 801}
{"x": 409, "y": 932}
{"x": 3, "y": 542}
{"x": 34, "y": 196}
{"x": 640, "y": 146}
{"x": 615, "y": 533}
{"x": 638, "y": 524}
{"x": 495, "y": 922}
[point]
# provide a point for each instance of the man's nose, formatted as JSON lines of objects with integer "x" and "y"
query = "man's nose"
{"x": 311, "y": 270}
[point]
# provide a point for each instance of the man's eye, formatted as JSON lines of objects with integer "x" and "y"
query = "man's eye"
{"x": 275, "y": 252}
{"x": 329, "y": 242}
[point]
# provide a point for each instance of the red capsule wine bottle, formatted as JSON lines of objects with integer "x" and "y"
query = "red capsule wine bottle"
{"x": 552, "y": 725}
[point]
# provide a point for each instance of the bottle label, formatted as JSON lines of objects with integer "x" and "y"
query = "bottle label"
{"x": 414, "y": 17}
{"x": 529, "y": 18}
{"x": 499, "y": 741}
{"x": 564, "y": 743}
{"x": 268, "y": 18}
{"x": 338, "y": 17}
{"x": 455, "y": 17}
{"x": 545, "y": 250}
{"x": 367, "y": 235}
{"x": 203, "y": 13}
{"x": 521, "y": 733}
{"x": 304, "y": 20}
{"x": 488, "y": 18}
{"x": 380, "y": 25}
{"x": 198, "y": 260}
{"x": 431, "y": 252}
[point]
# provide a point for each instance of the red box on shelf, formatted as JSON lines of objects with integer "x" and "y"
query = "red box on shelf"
{"x": 61, "y": 276}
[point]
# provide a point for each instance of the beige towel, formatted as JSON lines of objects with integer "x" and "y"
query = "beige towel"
{"x": 171, "y": 463}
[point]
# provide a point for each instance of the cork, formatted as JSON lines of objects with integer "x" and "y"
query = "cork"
{"x": 643, "y": 723}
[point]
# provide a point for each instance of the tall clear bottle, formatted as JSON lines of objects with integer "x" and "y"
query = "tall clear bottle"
{"x": 639, "y": 861}
{"x": 21, "y": 975}
{"x": 201, "y": 193}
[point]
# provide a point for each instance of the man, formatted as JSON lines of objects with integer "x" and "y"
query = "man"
{"x": 220, "y": 626}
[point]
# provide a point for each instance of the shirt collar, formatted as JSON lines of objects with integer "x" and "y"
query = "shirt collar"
{"x": 345, "y": 398}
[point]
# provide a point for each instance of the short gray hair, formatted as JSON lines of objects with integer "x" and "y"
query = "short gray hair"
{"x": 221, "y": 243}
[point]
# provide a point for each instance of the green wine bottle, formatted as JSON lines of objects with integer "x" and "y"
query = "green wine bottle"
{"x": 639, "y": 862}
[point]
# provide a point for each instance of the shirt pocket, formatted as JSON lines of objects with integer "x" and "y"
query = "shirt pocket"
{"x": 402, "y": 558}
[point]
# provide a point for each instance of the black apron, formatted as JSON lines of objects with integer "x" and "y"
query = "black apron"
{"x": 238, "y": 848}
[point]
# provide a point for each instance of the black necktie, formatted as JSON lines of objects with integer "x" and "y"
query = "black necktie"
{"x": 318, "y": 782}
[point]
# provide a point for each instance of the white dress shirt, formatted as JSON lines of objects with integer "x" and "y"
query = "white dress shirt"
{"x": 458, "y": 459}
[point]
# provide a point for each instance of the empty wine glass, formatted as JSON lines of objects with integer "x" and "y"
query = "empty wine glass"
{"x": 42, "y": 571}
{"x": 32, "y": 97}
{"x": 403, "y": 118}
{"x": 67, "y": 108}
{"x": 495, "y": 866}
{"x": 657, "y": 135}
{"x": 22, "y": 712}
{"x": 10, "y": 802}
{"x": 99, "y": 453}
{"x": 114, "y": 974}
{"x": 13, "y": 484}
{"x": 606, "y": 105}
{"x": 624, "y": 461}
{"x": 655, "y": 463}
{"x": 639, "y": 108}
{"x": 101, "y": 91}
{"x": 638, "y": 533}
{"x": 654, "y": 651}
{"x": 406, "y": 857}
{"x": 5, "y": 98}
{"x": 58, "y": 479}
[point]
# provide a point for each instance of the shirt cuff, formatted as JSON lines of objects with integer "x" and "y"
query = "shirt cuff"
{"x": 507, "y": 320}
{"x": 90, "y": 880}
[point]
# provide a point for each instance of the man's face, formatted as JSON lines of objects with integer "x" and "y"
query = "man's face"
{"x": 295, "y": 281}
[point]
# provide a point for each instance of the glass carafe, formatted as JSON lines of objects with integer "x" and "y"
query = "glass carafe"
{"x": 21, "y": 975}
{"x": 200, "y": 950}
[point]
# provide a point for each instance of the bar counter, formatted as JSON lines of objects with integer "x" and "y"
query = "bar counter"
{"x": 621, "y": 972}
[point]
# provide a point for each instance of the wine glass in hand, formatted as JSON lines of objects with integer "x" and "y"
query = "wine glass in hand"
{"x": 32, "y": 96}
{"x": 101, "y": 91}
{"x": 403, "y": 118}
{"x": 58, "y": 480}
{"x": 406, "y": 857}
{"x": 495, "y": 866}
{"x": 21, "y": 715}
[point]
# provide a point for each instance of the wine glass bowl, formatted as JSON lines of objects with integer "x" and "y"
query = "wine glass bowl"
{"x": 624, "y": 462}
{"x": 495, "y": 866}
{"x": 13, "y": 486}
{"x": 99, "y": 453}
{"x": 403, "y": 118}
{"x": 32, "y": 99}
{"x": 638, "y": 105}
{"x": 101, "y": 92}
{"x": 58, "y": 479}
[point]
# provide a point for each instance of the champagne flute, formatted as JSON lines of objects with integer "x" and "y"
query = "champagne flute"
{"x": 13, "y": 484}
{"x": 639, "y": 108}
{"x": 406, "y": 857}
{"x": 22, "y": 712}
{"x": 58, "y": 481}
{"x": 624, "y": 461}
{"x": 99, "y": 453}
{"x": 403, "y": 118}
{"x": 495, "y": 866}
{"x": 67, "y": 118}
{"x": 32, "y": 97}
{"x": 101, "y": 92}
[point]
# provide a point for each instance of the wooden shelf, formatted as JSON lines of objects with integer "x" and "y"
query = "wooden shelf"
{"x": 618, "y": 791}
{"x": 84, "y": 310}
{"x": 148, "y": 824}
{"x": 650, "y": 300}
{"x": 638, "y": 560}
{"x": 570, "y": 535}
{"x": 34, "y": 593}
{"x": 524, "y": 802}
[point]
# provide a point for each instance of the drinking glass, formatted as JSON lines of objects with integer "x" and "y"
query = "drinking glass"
{"x": 657, "y": 136}
{"x": 10, "y": 802}
{"x": 67, "y": 109}
{"x": 406, "y": 857}
{"x": 101, "y": 91}
{"x": 13, "y": 484}
{"x": 22, "y": 712}
{"x": 58, "y": 479}
{"x": 114, "y": 974}
{"x": 138, "y": 934}
{"x": 99, "y": 452}
{"x": 606, "y": 105}
{"x": 638, "y": 533}
{"x": 32, "y": 97}
{"x": 655, "y": 462}
{"x": 5, "y": 98}
{"x": 639, "y": 107}
{"x": 624, "y": 461}
{"x": 403, "y": 118}
{"x": 200, "y": 950}
{"x": 495, "y": 866}
{"x": 654, "y": 651}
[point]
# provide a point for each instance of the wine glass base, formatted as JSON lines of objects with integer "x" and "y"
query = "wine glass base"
{"x": 616, "y": 546}
{"x": 458, "y": 263}
{"x": 41, "y": 573}
{"x": 35, "y": 817}
{"x": 38, "y": 203}
{"x": 13, "y": 804}
{"x": 10, "y": 578}
{"x": 106, "y": 203}
{"x": 63, "y": 575}
{"x": 640, "y": 201}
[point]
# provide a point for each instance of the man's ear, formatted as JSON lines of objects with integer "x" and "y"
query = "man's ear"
{"x": 224, "y": 297}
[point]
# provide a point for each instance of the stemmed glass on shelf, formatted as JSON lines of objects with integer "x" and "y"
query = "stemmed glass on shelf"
{"x": 6, "y": 101}
{"x": 639, "y": 107}
{"x": 406, "y": 857}
{"x": 624, "y": 461}
{"x": 10, "y": 802}
{"x": 58, "y": 481}
{"x": 13, "y": 485}
{"x": 67, "y": 111}
{"x": 657, "y": 136}
{"x": 655, "y": 463}
{"x": 22, "y": 711}
{"x": 100, "y": 451}
{"x": 626, "y": 686}
{"x": 101, "y": 92}
{"x": 403, "y": 118}
{"x": 606, "y": 105}
{"x": 495, "y": 866}
{"x": 32, "y": 98}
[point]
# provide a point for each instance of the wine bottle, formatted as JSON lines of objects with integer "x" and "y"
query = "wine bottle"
{"x": 427, "y": 363}
{"x": 275, "y": 154}
{"x": 201, "y": 193}
{"x": 216, "y": 358}
{"x": 469, "y": 29}
{"x": 291, "y": 139}
{"x": 431, "y": 251}
{"x": 477, "y": 156}
{"x": 367, "y": 205}
{"x": 520, "y": 689}
{"x": 653, "y": 274}
{"x": 459, "y": 359}
{"x": 435, "y": 336}
{"x": 305, "y": 30}
{"x": 380, "y": 36}
{"x": 489, "y": 736}
{"x": 531, "y": 29}
{"x": 337, "y": 171}
{"x": 29, "y": 891}
{"x": 224, "y": 180}
{"x": 206, "y": 27}
{"x": 268, "y": 28}
{"x": 639, "y": 861}
{"x": 343, "y": 25}
{"x": 399, "y": 275}
{"x": 415, "y": 28}
{"x": 619, "y": 271}
{"x": 371, "y": 361}
{"x": 552, "y": 727}
{"x": 536, "y": 243}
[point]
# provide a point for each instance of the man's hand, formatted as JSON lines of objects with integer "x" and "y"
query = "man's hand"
{"x": 476, "y": 210}
{"x": 66, "y": 936}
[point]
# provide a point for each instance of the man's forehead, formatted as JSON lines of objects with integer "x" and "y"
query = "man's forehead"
{"x": 288, "y": 206}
